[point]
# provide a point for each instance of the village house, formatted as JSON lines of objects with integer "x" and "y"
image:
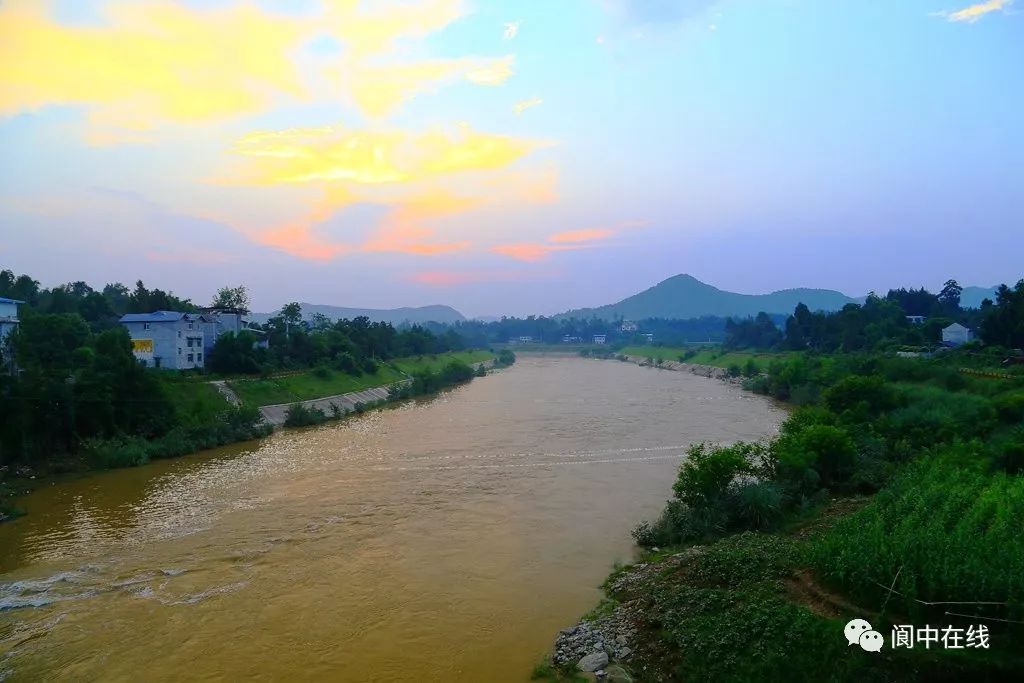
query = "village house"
{"x": 956, "y": 335}
{"x": 8, "y": 323}
{"x": 915, "y": 319}
{"x": 167, "y": 339}
{"x": 600, "y": 338}
{"x": 218, "y": 321}
{"x": 628, "y": 326}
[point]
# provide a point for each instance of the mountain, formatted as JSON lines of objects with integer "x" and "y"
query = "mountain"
{"x": 972, "y": 297}
{"x": 395, "y": 316}
{"x": 684, "y": 296}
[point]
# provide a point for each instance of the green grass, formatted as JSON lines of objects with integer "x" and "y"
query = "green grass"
{"x": 195, "y": 400}
{"x": 712, "y": 356}
{"x": 308, "y": 385}
{"x": 434, "y": 363}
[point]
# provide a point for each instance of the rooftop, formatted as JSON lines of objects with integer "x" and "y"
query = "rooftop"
{"x": 154, "y": 317}
{"x": 5, "y": 300}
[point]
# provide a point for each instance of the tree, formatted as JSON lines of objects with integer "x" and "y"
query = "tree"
{"x": 949, "y": 297}
{"x": 232, "y": 297}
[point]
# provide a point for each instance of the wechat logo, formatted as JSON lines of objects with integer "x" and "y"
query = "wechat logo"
{"x": 859, "y": 632}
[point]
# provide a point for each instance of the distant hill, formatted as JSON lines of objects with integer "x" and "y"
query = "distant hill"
{"x": 972, "y": 297}
{"x": 395, "y": 316}
{"x": 684, "y": 296}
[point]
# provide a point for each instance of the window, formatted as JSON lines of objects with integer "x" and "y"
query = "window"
{"x": 190, "y": 326}
{"x": 179, "y": 350}
{"x": 190, "y": 342}
{"x": 190, "y": 358}
{"x": 145, "y": 326}
{"x": 179, "y": 334}
{"x": 199, "y": 358}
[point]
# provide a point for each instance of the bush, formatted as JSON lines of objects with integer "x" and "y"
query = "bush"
{"x": 322, "y": 372}
{"x": 734, "y": 370}
{"x": 300, "y": 415}
{"x": 828, "y": 450}
{"x": 708, "y": 472}
{"x": 1010, "y": 407}
{"x": 756, "y": 505}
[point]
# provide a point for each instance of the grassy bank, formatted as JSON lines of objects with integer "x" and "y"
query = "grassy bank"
{"x": 318, "y": 383}
{"x": 894, "y": 494}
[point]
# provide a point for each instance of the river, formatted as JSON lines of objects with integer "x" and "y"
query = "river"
{"x": 443, "y": 540}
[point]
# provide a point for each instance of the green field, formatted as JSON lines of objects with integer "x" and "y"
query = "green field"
{"x": 308, "y": 385}
{"x": 712, "y": 356}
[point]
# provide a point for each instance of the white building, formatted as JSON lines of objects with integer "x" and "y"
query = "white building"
{"x": 956, "y": 334}
{"x": 628, "y": 326}
{"x": 8, "y": 323}
{"x": 600, "y": 338}
{"x": 166, "y": 339}
{"x": 915, "y": 319}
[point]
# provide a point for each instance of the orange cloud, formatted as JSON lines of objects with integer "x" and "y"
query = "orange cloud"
{"x": 528, "y": 251}
{"x": 403, "y": 229}
{"x": 587, "y": 235}
{"x": 568, "y": 240}
{"x": 451, "y": 278}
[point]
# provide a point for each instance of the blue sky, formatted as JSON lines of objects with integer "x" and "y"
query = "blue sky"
{"x": 509, "y": 157}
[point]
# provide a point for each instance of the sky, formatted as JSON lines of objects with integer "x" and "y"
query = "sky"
{"x": 511, "y": 157}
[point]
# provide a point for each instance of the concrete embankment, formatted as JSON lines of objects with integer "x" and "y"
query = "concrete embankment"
{"x": 346, "y": 403}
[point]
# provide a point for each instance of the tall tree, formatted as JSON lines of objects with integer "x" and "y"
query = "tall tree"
{"x": 232, "y": 297}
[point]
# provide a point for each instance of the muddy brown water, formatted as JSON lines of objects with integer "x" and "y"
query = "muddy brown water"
{"x": 444, "y": 540}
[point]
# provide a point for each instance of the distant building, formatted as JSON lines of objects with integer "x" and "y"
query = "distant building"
{"x": 915, "y": 319}
{"x": 628, "y": 326}
{"x": 956, "y": 334}
{"x": 167, "y": 339}
{"x": 218, "y": 321}
{"x": 649, "y": 337}
{"x": 568, "y": 339}
{"x": 526, "y": 340}
{"x": 600, "y": 338}
{"x": 8, "y": 323}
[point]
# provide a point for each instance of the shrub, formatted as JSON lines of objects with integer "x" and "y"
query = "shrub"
{"x": 708, "y": 471}
{"x": 750, "y": 368}
{"x": 299, "y": 415}
{"x": 1010, "y": 407}
{"x": 734, "y": 370}
{"x": 756, "y": 505}
{"x": 864, "y": 395}
{"x": 826, "y": 449}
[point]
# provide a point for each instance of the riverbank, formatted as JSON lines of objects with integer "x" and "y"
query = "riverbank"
{"x": 219, "y": 417}
{"x": 767, "y": 550}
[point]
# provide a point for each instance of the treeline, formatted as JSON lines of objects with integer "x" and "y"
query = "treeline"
{"x": 547, "y": 330}
{"x": 100, "y": 308}
{"x": 352, "y": 346}
{"x": 882, "y": 323}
